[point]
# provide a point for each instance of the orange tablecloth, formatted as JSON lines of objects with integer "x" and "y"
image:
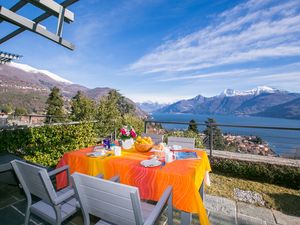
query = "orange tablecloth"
{"x": 185, "y": 176}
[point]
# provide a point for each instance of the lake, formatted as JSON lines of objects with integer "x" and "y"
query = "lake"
{"x": 283, "y": 142}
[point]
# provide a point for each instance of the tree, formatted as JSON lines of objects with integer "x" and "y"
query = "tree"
{"x": 55, "y": 106}
{"x": 218, "y": 140}
{"x": 82, "y": 108}
{"x": 108, "y": 115}
{"x": 122, "y": 104}
{"x": 134, "y": 121}
{"x": 193, "y": 126}
{"x": 7, "y": 108}
{"x": 20, "y": 111}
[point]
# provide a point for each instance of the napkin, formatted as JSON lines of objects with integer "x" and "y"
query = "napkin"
{"x": 176, "y": 147}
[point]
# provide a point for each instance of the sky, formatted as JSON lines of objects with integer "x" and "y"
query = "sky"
{"x": 163, "y": 51}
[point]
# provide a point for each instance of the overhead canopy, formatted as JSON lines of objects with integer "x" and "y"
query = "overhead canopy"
{"x": 7, "y": 57}
{"x": 50, "y": 8}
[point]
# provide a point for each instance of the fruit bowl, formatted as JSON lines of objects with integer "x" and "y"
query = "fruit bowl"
{"x": 143, "y": 147}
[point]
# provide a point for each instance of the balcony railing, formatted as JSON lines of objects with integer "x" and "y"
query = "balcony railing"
{"x": 280, "y": 141}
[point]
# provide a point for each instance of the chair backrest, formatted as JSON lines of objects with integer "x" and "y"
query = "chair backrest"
{"x": 113, "y": 202}
{"x": 156, "y": 138}
{"x": 188, "y": 143}
{"x": 34, "y": 180}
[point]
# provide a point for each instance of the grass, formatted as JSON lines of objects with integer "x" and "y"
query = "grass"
{"x": 276, "y": 197}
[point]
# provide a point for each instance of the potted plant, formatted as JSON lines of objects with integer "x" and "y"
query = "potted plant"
{"x": 127, "y": 134}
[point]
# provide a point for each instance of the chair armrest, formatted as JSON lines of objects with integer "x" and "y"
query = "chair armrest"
{"x": 58, "y": 170}
{"x": 100, "y": 175}
{"x": 64, "y": 196}
{"x": 115, "y": 179}
{"x": 158, "y": 209}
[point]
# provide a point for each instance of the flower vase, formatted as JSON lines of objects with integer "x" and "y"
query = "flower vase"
{"x": 128, "y": 143}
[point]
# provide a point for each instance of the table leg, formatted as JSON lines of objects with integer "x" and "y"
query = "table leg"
{"x": 201, "y": 191}
{"x": 186, "y": 218}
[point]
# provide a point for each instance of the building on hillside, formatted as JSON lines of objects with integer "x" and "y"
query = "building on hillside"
{"x": 3, "y": 119}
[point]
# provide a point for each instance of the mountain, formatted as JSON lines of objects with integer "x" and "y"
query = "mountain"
{"x": 289, "y": 110}
{"x": 255, "y": 91}
{"x": 250, "y": 102}
{"x": 26, "y": 86}
{"x": 150, "y": 106}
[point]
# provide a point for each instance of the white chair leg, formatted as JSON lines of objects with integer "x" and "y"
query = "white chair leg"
{"x": 27, "y": 215}
{"x": 186, "y": 218}
{"x": 170, "y": 210}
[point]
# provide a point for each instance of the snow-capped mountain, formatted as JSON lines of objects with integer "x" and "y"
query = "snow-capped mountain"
{"x": 255, "y": 91}
{"x": 31, "y": 69}
{"x": 250, "y": 102}
{"x": 150, "y": 106}
{"x": 26, "y": 86}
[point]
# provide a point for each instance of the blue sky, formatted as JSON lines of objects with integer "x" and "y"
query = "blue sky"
{"x": 167, "y": 50}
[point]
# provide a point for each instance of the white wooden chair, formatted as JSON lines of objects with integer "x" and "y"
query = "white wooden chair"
{"x": 54, "y": 207}
{"x": 117, "y": 203}
{"x": 156, "y": 138}
{"x": 188, "y": 143}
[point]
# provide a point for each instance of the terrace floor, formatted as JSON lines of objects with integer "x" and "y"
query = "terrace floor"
{"x": 221, "y": 211}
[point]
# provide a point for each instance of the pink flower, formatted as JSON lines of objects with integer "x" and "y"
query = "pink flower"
{"x": 123, "y": 131}
{"x": 132, "y": 133}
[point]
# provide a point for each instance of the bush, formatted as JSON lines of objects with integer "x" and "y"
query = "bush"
{"x": 46, "y": 145}
{"x": 286, "y": 176}
{"x": 134, "y": 121}
{"x": 188, "y": 134}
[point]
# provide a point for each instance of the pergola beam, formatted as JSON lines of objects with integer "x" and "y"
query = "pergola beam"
{"x": 54, "y": 8}
{"x": 16, "y": 7}
{"x": 7, "y": 57}
{"x": 32, "y": 26}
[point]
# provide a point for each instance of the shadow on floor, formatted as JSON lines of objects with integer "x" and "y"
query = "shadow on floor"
{"x": 287, "y": 203}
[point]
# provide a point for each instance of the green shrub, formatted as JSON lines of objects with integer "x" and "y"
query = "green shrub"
{"x": 45, "y": 145}
{"x": 134, "y": 121}
{"x": 286, "y": 176}
{"x": 188, "y": 134}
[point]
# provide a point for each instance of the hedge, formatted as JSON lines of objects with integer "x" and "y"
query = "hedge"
{"x": 46, "y": 144}
{"x": 286, "y": 176}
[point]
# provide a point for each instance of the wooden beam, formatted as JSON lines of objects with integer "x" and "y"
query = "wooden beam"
{"x": 54, "y": 8}
{"x": 32, "y": 26}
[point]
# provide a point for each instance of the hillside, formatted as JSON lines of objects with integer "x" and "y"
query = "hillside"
{"x": 23, "y": 85}
{"x": 289, "y": 110}
{"x": 232, "y": 102}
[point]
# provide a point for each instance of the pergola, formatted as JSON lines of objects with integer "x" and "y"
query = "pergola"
{"x": 6, "y": 57}
{"x": 50, "y": 8}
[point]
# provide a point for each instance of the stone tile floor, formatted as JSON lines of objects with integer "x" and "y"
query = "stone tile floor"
{"x": 221, "y": 211}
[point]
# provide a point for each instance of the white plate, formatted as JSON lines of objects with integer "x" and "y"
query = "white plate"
{"x": 150, "y": 163}
{"x": 98, "y": 148}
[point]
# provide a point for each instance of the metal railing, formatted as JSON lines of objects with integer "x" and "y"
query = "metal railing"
{"x": 28, "y": 120}
{"x": 287, "y": 138}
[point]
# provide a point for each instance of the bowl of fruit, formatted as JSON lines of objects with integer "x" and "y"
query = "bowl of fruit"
{"x": 143, "y": 144}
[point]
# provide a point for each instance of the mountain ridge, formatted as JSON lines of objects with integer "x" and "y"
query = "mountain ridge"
{"x": 25, "y": 86}
{"x": 254, "y": 102}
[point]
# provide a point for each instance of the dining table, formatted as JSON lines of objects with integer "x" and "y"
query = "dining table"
{"x": 187, "y": 176}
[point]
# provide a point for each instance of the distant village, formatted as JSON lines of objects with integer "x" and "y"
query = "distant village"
{"x": 248, "y": 144}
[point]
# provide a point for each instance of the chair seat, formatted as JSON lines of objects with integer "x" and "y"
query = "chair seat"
{"x": 102, "y": 222}
{"x": 46, "y": 211}
{"x": 147, "y": 208}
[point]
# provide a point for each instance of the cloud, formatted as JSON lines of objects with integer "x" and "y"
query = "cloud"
{"x": 255, "y": 30}
{"x": 206, "y": 75}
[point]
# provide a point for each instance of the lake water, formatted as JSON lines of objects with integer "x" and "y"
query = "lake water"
{"x": 283, "y": 142}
